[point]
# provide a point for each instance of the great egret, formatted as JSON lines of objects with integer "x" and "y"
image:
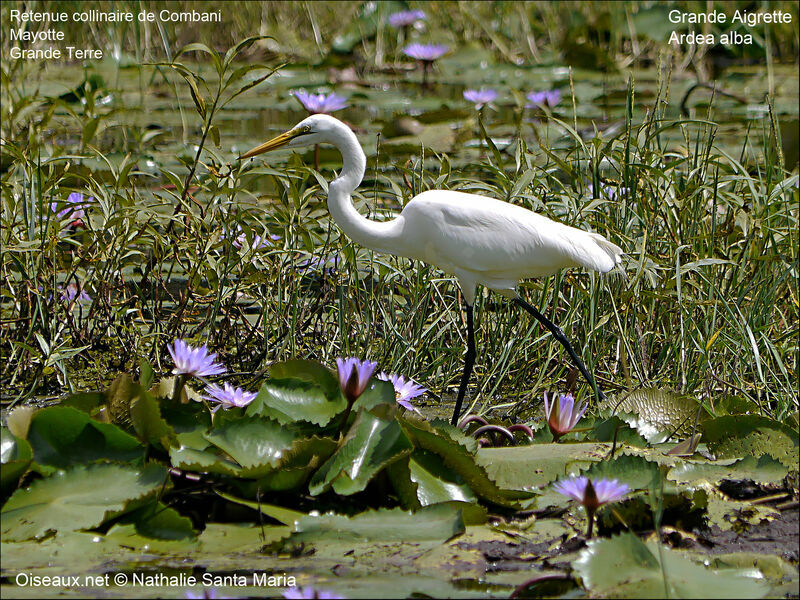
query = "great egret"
{"x": 478, "y": 239}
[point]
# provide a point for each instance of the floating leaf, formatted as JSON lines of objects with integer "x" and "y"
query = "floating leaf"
{"x": 78, "y": 498}
{"x": 657, "y": 412}
{"x": 751, "y": 435}
{"x": 61, "y": 436}
{"x": 463, "y": 461}
{"x": 374, "y": 441}
{"x": 150, "y": 426}
{"x": 537, "y": 464}
{"x": 625, "y": 567}
{"x": 155, "y": 520}
{"x": 290, "y": 400}
{"x": 438, "y": 522}
{"x": 635, "y": 471}
{"x": 252, "y": 441}
{"x": 764, "y": 469}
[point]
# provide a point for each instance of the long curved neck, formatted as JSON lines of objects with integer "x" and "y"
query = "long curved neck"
{"x": 372, "y": 234}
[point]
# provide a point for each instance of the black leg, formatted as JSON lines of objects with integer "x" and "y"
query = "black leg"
{"x": 559, "y": 335}
{"x": 469, "y": 360}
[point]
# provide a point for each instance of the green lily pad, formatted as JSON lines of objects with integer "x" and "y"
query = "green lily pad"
{"x": 655, "y": 413}
{"x": 625, "y": 567}
{"x": 374, "y": 441}
{"x": 78, "y": 498}
{"x": 736, "y": 436}
{"x": 62, "y": 436}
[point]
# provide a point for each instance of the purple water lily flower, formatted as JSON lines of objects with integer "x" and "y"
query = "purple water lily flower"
{"x": 354, "y": 375}
{"x": 309, "y": 593}
{"x": 196, "y": 362}
{"x": 259, "y": 241}
{"x": 72, "y": 292}
{"x": 320, "y": 103}
{"x": 480, "y": 97}
{"x": 75, "y": 208}
{"x": 404, "y": 390}
{"x": 228, "y": 397}
{"x": 591, "y": 494}
{"x": 425, "y": 52}
{"x": 562, "y": 414}
{"x": 404, "y": 18}
{"x": 608, "y": 191}
{"x": 539, "y": 99}
{"x": 318, "y": 262}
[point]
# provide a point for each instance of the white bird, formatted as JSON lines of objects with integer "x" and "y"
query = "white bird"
{"x": 480, "y": 240}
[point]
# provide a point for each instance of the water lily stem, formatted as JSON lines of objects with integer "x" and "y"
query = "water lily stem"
{"x": 180, "y": 380}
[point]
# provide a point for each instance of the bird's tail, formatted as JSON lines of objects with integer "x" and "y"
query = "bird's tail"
{"x": 612, "y": 251}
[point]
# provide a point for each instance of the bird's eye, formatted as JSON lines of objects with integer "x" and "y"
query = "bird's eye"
{"x": 307, "y": 129}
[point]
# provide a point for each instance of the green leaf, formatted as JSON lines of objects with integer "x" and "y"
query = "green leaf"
{"x": 290, "y": 400}
{"x": 85, "y": 401}
{"x": 150, "y": 426}
{"x": 16, "y": 456}
{"x": 202, "y": 461}
{"x": 439, "y": 522}
{"x": 61, "y": 436}
{"x": 155, "y": 520}
{"x": 252, "y": 441}
{"x": 279, "y": 513}
{"x": 78, "y": 498}
{"x": 764, "y": 469}
{"x": 435, "y": 481}
{"x": 537, "y": 464}
{"x": 626, "y": 567}
{"x": 377, "y": 392}
{"x": 461, "y": 459}
{"x": 656, "y": 413}
{"x": 736, "y": 436}
{"x": 374, "y": 441}
{"x": 146, "y": 374}
{"x": 637, "y": 472}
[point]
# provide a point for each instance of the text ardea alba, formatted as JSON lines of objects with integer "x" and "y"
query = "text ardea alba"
{"x": 478, "y": 239}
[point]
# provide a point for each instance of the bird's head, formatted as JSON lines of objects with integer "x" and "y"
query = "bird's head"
{"x": 315, "y": 129}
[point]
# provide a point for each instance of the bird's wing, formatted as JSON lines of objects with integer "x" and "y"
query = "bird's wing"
{"x": 495, "y": 239}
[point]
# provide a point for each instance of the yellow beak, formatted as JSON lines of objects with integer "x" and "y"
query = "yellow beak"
{"x": 275, "y": 142}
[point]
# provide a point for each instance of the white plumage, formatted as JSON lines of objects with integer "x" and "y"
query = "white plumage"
{"x": 482, "y": 241}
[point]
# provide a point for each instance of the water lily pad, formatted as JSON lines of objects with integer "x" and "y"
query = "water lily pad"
{"x": 78, "y": 498}
{"x": 61, "y": 436}
{"x": 626, "y": 567}
{"x": 657, "y": 413}
{"x": 373, "y": 442}
{"x": 736, "y": 436}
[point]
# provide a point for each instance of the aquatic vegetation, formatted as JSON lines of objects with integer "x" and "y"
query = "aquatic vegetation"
{"x": 194, "y": 362}
{"x": 73, "y": 292}
{"x": 405, "y": 389}
{"x": 546, "y": 97}
{"x": 320, "y": 103}
{"x": 608, "y": 191}
{"x": 228, "y": 397}
{"x": 592, "y": 494}
{"x": 426, "y": 52}
{"x": 562, "y": 414}
{"x": 480, "y": 97}
{"x": 405, "y": 18}
{"x": 707, "y": 210}
{"x": 75, "y": 207}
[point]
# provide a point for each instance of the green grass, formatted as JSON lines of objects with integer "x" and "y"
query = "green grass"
{"x": 708, "y": 304}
